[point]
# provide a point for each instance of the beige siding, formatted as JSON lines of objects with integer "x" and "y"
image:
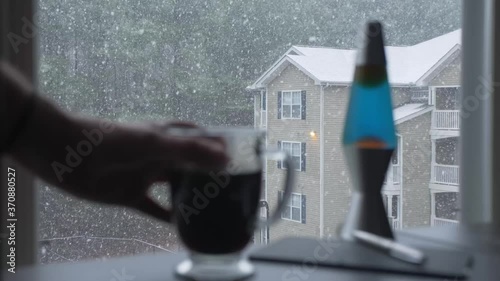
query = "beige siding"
{"x": 295, "y": 130}
{"x": 416, "y": 170}
{"x": 337, "y": 184}
{"x": 450, "y": 75}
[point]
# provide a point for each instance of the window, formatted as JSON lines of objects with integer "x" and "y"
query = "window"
{"x": 297, "y": 151}
{"x": 264, "y": 101}
{"x": 140, "y": 62}
{"x": 291, "y": 105}
{"x": 395, "y": 156}
{"x": 295, "y": 208}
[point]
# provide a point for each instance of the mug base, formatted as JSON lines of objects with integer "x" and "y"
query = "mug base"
{"x": 215, "y": 267}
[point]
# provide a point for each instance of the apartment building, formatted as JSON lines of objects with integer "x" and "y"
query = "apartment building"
{"x": 301, "y": 101}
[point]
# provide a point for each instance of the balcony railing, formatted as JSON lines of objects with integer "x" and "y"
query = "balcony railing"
{"x": 446, "y": 174}
{"x": 420, "y": 94}
{"x": 440, "y": 221}
{"x": 446, "y": 119}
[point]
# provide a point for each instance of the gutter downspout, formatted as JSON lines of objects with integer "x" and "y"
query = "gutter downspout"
{"x": 321, "y": 163}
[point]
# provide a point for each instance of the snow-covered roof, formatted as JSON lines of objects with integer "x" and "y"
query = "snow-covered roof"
{"x": 406, "y": 65}
{"x": 409, "y": 111}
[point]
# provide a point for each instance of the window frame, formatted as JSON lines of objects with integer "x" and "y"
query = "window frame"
{"x": 291, "y": 92}
{"x": 298, "y": 169}
{"x": 480, "y": 53}
{"x": 290, "y": 207}
{"x": 25, "y": 59}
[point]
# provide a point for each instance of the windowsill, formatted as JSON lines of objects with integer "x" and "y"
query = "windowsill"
{"x": 296, "y": 170}
{"x": 478, "y": 239}
{"x": 291, "y": 220}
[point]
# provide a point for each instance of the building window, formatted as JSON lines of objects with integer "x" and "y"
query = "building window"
{"x": 292, "y": 105}
{"x": 395, "y": 156}
{"x": 297, "y": 150}
{"x": 295, "y": 209}
{"x": 263, "y": 100}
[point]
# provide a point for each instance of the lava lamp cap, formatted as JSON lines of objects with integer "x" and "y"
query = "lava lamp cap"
{"x": 371, "y": 51}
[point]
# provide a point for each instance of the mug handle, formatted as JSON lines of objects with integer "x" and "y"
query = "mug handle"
{"x": 289, "y": 184}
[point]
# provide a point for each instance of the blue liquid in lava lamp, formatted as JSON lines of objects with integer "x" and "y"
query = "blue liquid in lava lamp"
{"x": 369, "y": 115}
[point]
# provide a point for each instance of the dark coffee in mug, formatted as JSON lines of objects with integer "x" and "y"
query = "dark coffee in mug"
{"x": 216, "y": 212}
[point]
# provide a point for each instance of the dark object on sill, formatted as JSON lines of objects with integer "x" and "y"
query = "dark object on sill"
{"x": 369, "y": 137}
{"x": 341, "y": 254}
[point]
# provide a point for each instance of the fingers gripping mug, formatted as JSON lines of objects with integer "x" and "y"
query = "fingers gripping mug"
{"x": 216, "y": 212}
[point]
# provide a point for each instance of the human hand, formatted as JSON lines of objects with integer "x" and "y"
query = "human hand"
{"x": 129, "y": 159}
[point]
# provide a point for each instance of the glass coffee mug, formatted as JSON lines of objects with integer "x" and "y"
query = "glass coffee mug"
{"x": 216, "y": 212}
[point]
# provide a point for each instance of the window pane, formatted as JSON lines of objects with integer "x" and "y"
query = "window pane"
{"x": 296, "y": 200}
{"x": 296, "y": 214}
{"x": 287, "y": 111}
{"x": 296, "y": 162}
{"x": 296, "y": 98}
{"x": 296, "y": 111}
{"x": 296, "y": 149}
{"x": 286, "y": 146}
{"x": 287, "y": 98}
{"x": 286, "y": 213}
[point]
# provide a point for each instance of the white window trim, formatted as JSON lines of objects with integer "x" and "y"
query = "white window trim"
{"x": 300, "y": 147}
{"x": 289, "y": 206}
{"x": 291, "y": 105}
{"x": 26, "y": 192}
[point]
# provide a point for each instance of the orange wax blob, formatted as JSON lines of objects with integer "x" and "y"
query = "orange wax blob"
{"x": 371, "y": 143}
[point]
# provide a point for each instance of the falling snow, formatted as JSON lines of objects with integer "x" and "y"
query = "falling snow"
{"x": 137, "y": 61}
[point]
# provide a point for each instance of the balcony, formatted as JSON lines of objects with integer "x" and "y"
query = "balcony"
{"x": 446, "y": 119}
{"x": 446, "y": 174}
{"x": 440, "y": 222}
